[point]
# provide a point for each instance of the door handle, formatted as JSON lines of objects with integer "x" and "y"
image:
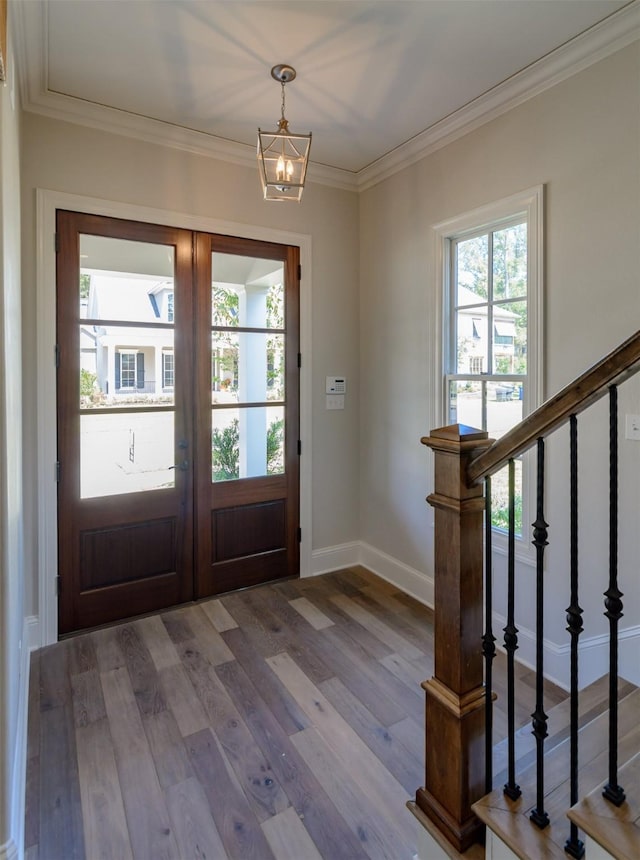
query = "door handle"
{"x": 182, "y": 467}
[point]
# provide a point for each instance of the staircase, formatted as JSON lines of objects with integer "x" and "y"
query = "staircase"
{"x": 510, "y": 833}
{"x": 612, "y": 831}
{"x": 539, "y": 793}
{"x": 509, "y": 820}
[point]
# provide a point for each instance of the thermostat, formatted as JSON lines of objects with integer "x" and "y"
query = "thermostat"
{"x": 336, "y": 385}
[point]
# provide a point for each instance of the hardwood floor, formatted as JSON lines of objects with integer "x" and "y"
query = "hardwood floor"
{"x": 284, "y": 722}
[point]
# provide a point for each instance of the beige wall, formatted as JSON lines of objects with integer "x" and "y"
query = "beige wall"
{"x": 64, "y": 157}
{"x": 375, "y": 311}
{"x": 581, "y": 139}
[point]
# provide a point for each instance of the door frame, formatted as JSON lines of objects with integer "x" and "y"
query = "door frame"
{"x": 47, "y": 202}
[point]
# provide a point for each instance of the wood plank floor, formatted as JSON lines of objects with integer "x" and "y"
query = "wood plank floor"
{"x": 284, "y": 722}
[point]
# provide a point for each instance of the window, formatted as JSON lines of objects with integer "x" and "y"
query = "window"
{"x": 170, "y": 307}
{"x": 492, "y": 302}
{"x": 127, "y": 370}
{"x": 167, "y": 370}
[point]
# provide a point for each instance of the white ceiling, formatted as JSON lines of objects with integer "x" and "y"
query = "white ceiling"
{"x": 377, "y": 81}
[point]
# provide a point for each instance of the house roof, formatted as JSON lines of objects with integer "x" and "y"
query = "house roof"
{"x": 116, "y": 297}
{"x": 468, "y": 303}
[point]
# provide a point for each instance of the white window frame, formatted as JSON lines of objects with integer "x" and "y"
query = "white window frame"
{"x": 128, "y": 353}
{"x": 530, "y": 205}
{"x": 165, "y": 354}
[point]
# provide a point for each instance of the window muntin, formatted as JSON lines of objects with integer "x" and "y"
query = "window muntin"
{"x": 167, "y": 370}
{"x": 127, "y": 370}
{"x": 492, "y": 321}
{"x": 248, "y": 367}
{"x": 490, "y": 295}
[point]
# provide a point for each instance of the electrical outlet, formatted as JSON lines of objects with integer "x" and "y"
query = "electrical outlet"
{"x": 632, "y": 427}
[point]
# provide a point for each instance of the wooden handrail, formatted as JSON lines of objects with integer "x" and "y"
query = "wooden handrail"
{"x": 620, "y": 364}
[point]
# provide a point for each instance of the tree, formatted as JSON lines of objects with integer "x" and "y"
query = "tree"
{"x": 275, "y": 342}
{"x": 85, "y": 286}
{"x": 225, "y": 313}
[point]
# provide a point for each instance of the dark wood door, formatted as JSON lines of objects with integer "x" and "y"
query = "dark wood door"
{"x": 125, "y": 515}
{"x": 160, "y": 427}
{"x": 247, "y": 483}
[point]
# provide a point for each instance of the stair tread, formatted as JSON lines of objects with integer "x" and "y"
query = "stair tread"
{"x": 510, "y": 819}
{"x": 616, "y": 829}
{"x": 594, "y": 700}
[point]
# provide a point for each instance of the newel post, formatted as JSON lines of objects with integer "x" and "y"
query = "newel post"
{"x": 455, "y": 695}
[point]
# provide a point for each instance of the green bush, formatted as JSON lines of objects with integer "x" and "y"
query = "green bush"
{"x": 88, "y": 382}
{"x": 225, "y": 449}
{"x": 275, "y": 447}
{"x": 500, "y": 514}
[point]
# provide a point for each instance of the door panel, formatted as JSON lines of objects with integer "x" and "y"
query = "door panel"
{"x": 125, "y": 514}
{"x": 178, "y": 398}
{"x": 247, "y": 497}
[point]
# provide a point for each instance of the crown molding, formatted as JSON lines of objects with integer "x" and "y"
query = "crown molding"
{"x": 114, "y": 121}
{"x": 30, "y": 28}
{"x": 600, "y": 41}
{"x": 30, "y": 22}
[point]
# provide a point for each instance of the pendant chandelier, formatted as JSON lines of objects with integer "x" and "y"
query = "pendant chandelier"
{"x": 283, "y": 156}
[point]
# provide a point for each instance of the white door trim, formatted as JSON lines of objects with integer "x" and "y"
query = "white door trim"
{"x": 47, "y": 204}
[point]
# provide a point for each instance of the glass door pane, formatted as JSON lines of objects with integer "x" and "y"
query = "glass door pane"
{"x": 247, "y": 367}
{"x": 127, "y": 365}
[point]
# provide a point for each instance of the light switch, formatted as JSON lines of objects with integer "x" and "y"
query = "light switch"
{"x": 335, "y": 401}
{"x": 632, "y": 427}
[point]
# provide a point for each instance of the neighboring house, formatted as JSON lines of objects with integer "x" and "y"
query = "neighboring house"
{"x": 129, "y": 363}
{"x": 473, "y": 334}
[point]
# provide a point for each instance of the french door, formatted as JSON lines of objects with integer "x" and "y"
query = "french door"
{"x": 178, "y": 416}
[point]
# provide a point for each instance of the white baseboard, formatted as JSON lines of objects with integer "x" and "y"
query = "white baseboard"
{"x": 414, "y": 582}
{"x": 14, "y": 848}
{"x": 334, "y": 557}
{"x": 593, "y": 659}
{"x": 594, "y": 650}
{"x": 33, "y": 634}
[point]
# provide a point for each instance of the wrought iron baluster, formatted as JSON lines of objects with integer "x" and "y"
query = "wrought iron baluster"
{"x": 539, "y": 718}
{"x": 613, "y": 603}
{"x": 488, "y": 640}
{"x": 511, "y": 788}
{"x": 574, "y": 846}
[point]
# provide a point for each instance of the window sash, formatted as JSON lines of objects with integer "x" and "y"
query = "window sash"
{"x": 168, "y": 368}
{"x": 525, "y": 206}
{"x": 127, "y": 370}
